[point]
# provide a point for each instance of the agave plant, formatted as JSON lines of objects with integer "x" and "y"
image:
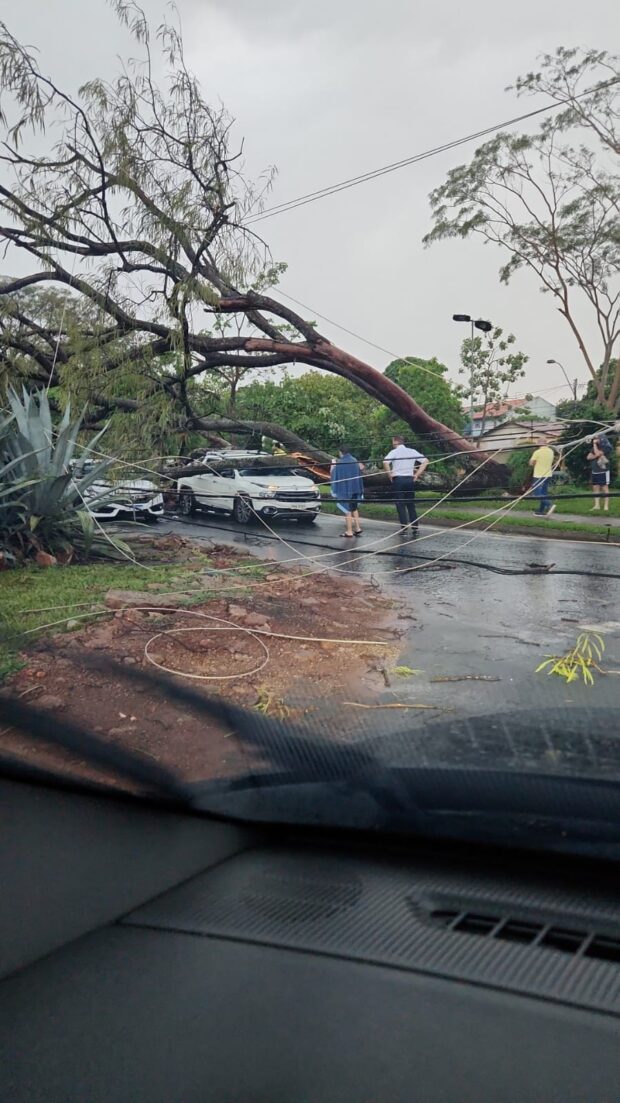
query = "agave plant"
{"x": 42, "y": 504}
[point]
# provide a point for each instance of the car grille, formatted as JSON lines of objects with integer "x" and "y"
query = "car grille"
{"x": 295, "y": 496}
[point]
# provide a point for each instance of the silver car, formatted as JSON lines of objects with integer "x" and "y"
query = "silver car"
{"x": 133, "y": 500}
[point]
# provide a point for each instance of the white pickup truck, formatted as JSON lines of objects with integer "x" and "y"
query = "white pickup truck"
{"x": 249, "y": 485}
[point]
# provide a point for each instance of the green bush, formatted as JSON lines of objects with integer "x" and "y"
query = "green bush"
{"x": 518, "y": 464}
{"x": 577, "y": 463}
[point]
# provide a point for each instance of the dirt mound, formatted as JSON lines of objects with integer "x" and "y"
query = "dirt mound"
{"x": 273, "y": 647}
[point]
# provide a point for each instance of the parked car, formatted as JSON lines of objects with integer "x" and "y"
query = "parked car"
{"x": 134, "y": 499}
{"x": 249, "y": 484}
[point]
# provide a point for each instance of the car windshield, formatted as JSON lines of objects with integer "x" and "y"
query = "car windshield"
{"x": 403, "y": 611}
{"x": 263, "y": 471}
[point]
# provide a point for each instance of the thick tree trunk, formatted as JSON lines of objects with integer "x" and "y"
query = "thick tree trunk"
{"x": 331, "y": 358}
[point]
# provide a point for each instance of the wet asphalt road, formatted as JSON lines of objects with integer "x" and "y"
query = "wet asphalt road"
{"x": 461, "y": 619}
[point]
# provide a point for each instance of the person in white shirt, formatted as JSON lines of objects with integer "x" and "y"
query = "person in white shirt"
{"x": 404, "y": 466}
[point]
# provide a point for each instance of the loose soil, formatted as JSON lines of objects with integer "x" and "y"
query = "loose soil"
{"x": 68, "y": 675}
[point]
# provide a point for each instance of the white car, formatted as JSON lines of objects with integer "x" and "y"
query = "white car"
{"x": 135, "y": 499}
{"x": 249, "y": 485}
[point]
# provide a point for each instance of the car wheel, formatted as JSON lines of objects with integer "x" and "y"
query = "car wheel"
{"x": 242, "y": 511}
{"x": 309, "y": 520}
{"x": 187, "y": 502}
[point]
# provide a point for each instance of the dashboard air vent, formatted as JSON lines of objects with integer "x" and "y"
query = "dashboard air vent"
{"x": 508, "y": 929}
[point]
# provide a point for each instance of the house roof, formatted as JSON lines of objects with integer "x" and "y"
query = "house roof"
{"x": 500, "y": 409}
{"x": 506, "y": 405}
{"x": 527, "y": 428}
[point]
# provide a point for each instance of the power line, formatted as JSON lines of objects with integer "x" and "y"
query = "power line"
{"x": 352, "y": 332}
{"x": 388, "y": 352}
{"x": 373, "y": 174}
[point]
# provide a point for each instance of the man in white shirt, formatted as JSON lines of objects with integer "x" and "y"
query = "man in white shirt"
{"x": 404, "y": 466}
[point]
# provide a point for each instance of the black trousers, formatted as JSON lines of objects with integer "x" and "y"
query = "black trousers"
{"x": 404, "y": 493}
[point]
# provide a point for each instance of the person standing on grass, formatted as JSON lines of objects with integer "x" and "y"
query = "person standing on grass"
{"x": 600, "y": 471}
{"x": 347, "y": 489}
{"x": 404, "y": 466}
{"x": 542, "y": 462}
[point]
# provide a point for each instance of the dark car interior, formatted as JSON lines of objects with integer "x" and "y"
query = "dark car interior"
{"x": 153, "y": 954}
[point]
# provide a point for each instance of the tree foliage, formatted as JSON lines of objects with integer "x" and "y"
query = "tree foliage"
{"x": 331, "y": 412}
{"x": 140, "y": 210}
{"x": 324, "y": 410}
{"x": 551, "y": 200}
{"x": 584, "y": 418}
{"x": 490, "y": 365}
{"x": 427, "y": 379}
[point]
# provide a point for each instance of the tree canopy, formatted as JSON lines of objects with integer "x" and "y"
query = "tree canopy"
{"x": 324, "y": 410}
{"x": 490, "y": 364}
{"x": 332, "y": 412}
{"x": 140, "y": 212}
{"x": 551, "y": 200}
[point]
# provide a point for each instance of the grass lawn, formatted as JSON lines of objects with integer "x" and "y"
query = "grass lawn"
{"x": 31, "y": 597}
{"x": 568, "y": 505}
{"x": 476, "y": 512}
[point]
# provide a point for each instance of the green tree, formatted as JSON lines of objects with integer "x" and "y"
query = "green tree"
{"x": 326, "y": 411}
{"x": 329, "y": 412}
{"x": 490, "y": 366}
{"x": 551, "y": 200}
{"x": 426, "y": 381}
{"x": 584, "y": 417}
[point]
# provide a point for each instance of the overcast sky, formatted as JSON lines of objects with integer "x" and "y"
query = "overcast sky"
{"x": 327, "y": 89}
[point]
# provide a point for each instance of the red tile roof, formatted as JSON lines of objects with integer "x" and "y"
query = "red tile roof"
{"x": 499, "y": 409}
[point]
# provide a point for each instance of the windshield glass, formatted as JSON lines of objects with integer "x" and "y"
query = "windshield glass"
{"x": 425, "y": 634}
{"x": 267, "y": 472}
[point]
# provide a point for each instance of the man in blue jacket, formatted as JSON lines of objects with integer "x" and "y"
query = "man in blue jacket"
{"x": 347, "y": 488}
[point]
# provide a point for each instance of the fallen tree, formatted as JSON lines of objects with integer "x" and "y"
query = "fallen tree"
{"x": 139, "y": 213}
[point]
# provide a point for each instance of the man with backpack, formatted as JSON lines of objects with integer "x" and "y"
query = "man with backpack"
{"x": 600, "y": 457}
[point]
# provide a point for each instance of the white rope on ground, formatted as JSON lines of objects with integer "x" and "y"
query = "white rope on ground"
{"x": 229, "y": 626}
{"x": 256, "y": 632}
{"x": 466, "y": 524}
{"x": 297, "y": 555}
{"x": 338, "y": 552}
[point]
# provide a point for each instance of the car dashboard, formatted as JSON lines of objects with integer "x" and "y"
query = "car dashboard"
{"x": 149, "y": 954}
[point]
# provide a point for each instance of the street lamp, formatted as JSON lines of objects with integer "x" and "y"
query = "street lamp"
{"x": 485, "y": 327}
{"x": 573, "y": 386}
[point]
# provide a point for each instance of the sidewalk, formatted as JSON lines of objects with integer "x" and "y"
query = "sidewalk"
{"x": 599, "y": 518}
